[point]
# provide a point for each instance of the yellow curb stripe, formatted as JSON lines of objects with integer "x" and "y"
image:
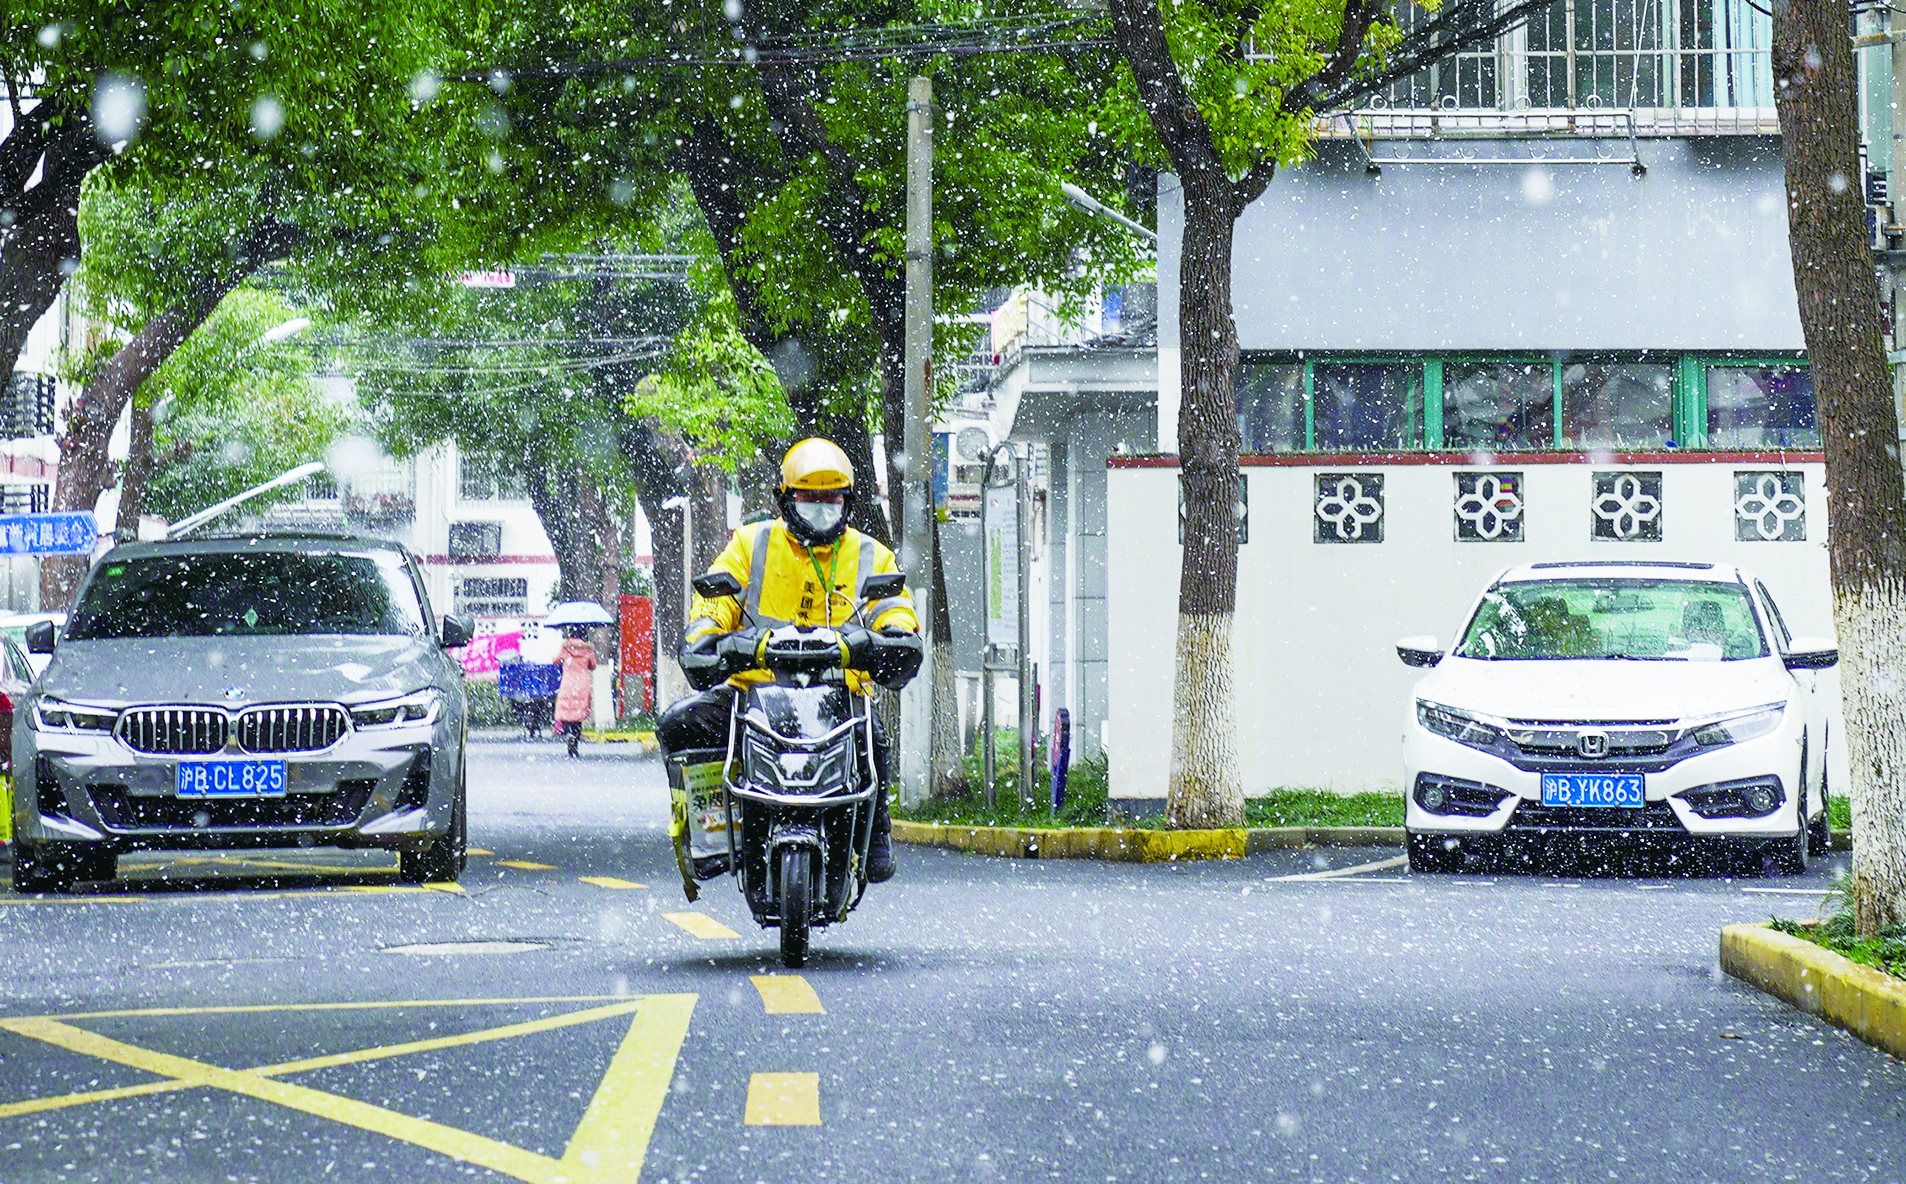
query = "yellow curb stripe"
{"x": 783, "y": 1099}
{"x": 526, "y": 865}
{"x": 457, "y": 1144}
{"x": 701, "y": 925}
{"x": 1864, "y": 1001}
{"x": 787, "y": 994}
{"x": 613, "y": 1137}
{"x": 610, "y": 882}
{"x": 1340, "y": 872}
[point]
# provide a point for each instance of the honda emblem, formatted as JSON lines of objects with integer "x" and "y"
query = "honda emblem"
{"x": 1592, "y": 743}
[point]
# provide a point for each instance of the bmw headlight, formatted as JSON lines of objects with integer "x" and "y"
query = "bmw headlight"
{"x": 1737, "y": 726}
{"x": 1459, "y": 726}
{"x": 410, "y": 710}
{"x": 52, "y": 715}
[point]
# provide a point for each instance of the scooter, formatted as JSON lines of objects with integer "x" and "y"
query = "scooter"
{"x": 788, "y": 806}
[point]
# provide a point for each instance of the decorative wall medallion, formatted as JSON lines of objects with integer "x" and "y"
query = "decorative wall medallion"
{"x": 1349, "y": 508}
{"x": 1770, "y": 507}
{"x": 1626, "y": 507}
{"x": 1489, "y": 507}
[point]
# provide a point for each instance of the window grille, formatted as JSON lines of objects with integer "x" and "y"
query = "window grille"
{"x": 484, "y": 479}
{"x": 476, "y": 540}
{"x": 32, "y": 498}
{"x": 26, "y": 407}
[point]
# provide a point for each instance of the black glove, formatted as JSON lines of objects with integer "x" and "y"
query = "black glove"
{"x": 895, "y": 658}
{"x": 710, "y": 661}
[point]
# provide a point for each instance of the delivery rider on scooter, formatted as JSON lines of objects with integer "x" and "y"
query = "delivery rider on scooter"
{"x": 805, "y": 568}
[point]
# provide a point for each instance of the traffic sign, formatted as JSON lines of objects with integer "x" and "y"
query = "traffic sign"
{"x": 73, "y": 533}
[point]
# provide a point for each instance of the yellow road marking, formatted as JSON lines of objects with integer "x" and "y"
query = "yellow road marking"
{"x": 113, "y": 899}
{"x": 377, "y": 1005}
{"x": 608, "y": 1145}
{"x": 700, "y": 924}
{"x": 61, "y": 1101}
{"x": 783, "y": 1099}
{"x": 1339, "y": 873}
{"x": 477, "y": 851}
{"x": 526, "y": 865}
{"x": 787, "y": 994}
{"x": 613, "y": 1136}
{"x": 610, "y": 882}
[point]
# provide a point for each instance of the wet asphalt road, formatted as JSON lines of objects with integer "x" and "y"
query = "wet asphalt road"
{"x": 978, "y": 1020}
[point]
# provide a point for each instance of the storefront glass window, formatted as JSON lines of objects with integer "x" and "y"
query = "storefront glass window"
{"x": 1761, "y": 407}
{"x": 1271, "y": 407}
{"x": 1368, "y": 405}
{"x": 1617, "y": 404}
{"x": 1498, "y": 405}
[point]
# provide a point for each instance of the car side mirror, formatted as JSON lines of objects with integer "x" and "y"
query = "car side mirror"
{"x": 40, "y": 637}
{"x": 884, "y": 586}
{"x": 1812, "y": 653}
{"x": 457, "y": 630}
{"x": 717, "y": 584}
{"x": 1419, "y": 651}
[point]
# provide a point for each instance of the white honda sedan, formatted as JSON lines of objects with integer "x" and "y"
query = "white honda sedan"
{"x": 1637, "y": 700}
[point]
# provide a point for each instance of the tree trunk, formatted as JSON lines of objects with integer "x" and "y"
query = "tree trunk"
{"x": 42, "y": 246}
{"x": 1816, "y": 91}
{"x": 136, "y": 477}
{"x": 945, "y": 748}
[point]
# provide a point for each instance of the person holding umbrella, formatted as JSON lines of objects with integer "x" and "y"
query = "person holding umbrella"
{"x": 574, "y": 698}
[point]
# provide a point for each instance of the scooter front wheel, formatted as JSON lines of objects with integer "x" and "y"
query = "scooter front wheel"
{"x": 796, "y": 882}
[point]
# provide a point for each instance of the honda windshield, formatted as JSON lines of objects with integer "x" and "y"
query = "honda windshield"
{"x": 1599, "y": 617}
{"x": 270, "y": 593}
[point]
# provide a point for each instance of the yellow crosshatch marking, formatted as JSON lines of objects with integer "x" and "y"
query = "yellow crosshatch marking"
{"x": 526, "y": 865}
{"x": 787, "y": 994}
{"x": 700, "y": 924}
{"x": 610, "y": 882}
{"x": 783, "y": 1099}
{"x": 608, "y": 1145}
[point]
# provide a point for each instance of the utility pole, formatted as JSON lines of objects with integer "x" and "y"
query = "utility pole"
{"x": 916, "y": 458}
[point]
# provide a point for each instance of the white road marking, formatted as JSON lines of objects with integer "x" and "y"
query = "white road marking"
{"x": 1794, "y": 891}
{"x": 1339, "y": 873}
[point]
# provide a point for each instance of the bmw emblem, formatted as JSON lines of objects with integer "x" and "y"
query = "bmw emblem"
{"x": 234, "y": 694}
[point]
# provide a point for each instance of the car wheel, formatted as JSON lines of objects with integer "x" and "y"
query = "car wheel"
{"x": 1820, "y": 830}
{"x": 37, "y": 870}
{"x": 1435, "y": 854}
{"x": 442, "y": 861}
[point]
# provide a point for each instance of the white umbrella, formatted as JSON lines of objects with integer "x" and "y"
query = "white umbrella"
{"x": 578, "y": 612}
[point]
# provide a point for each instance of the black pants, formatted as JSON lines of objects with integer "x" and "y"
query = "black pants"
{"x": 701, "y": 721}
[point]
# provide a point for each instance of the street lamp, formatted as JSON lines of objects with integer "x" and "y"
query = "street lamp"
{"x": 1097, "y": 208}
{"x": 290, "y": 477}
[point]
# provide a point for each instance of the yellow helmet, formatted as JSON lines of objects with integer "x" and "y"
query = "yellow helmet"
{"x": 815, "y": 463}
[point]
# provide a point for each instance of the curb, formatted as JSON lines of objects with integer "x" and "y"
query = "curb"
{"x": 1865, "y": 1002}
{"x": 645, "y": 739}
{"x": 1134, "y": 844}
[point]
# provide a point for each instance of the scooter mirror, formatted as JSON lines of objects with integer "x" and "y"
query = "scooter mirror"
{"x": 881, "y": 587}
{"x": 717, "y": 584}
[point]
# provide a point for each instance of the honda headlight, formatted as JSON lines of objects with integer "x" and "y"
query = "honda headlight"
{"x": 1459, "y": 726}
{"x": 52, "y": 715}
{"x": 1737, "y": 726}
{"x": 411, "y": 710}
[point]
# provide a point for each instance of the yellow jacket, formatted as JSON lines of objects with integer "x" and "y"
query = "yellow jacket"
{"x": 782, "y": 582}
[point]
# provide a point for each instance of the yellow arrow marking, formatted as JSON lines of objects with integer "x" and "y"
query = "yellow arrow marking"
{"x": 526, "y": 865}
{"x": 783, "y": 1099}
{"x": 700, "y": 924}
{"x": 610, "y": 882}
{"x": 786, "y": 994}
{"x": 608, "y": 1145}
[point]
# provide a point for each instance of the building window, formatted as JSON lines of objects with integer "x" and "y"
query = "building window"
{"x": 482, "y": 479}
{"x": 476, "y": 540}
{"x": 1617, "y": 404}
{"x": 30, "y": 498}
{"x": 1271, "y": 407}
{"x": 1367, "y": 405}
{"x": 1761, "y": 407}
{"x": 1498, "y": 405}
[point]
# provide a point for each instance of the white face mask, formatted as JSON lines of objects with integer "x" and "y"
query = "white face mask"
{"x": 820, "y": 517}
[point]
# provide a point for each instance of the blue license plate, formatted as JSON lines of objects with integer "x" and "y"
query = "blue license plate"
{"x": 231, "y": 779}
{"x": 1593, "y": 789}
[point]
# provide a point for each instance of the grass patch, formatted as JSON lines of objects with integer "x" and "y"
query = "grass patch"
{"x": 1840, "y": 810}
{"x": 487, "y": 708}
{"x": 1322, "y": 807}
{"x": 1886, "y": 953}
{"x": 1085, "y": 801}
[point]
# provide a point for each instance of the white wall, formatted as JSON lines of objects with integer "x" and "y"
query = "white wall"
{"x": 1320, "y": 691}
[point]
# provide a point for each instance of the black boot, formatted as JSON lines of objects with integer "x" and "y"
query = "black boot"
{"x": 880, "y": 851}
